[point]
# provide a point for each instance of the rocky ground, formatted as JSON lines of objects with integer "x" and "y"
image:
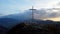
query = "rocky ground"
{"x": 24, "y": 28}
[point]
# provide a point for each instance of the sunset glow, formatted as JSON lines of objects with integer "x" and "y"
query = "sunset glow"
{"x": 53, "y": 19}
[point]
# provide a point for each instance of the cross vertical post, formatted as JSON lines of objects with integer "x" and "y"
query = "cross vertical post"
{"x": 32, "y": 13}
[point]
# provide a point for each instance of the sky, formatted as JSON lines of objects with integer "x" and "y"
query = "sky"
{"x": 8, "y": 5}
{"x": 17, "y": 6}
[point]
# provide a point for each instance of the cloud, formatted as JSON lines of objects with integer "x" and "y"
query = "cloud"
{"x": 58, "y": 4}
{"x": 43, "y": 14}
{"x": 9, "y": 11}
{"x": 45, "y": 3}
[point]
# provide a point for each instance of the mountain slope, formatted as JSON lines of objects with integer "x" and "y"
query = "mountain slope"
{"x": 8, "y": 22}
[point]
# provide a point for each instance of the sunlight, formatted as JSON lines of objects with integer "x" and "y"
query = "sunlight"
{"x": 53, "y": 19}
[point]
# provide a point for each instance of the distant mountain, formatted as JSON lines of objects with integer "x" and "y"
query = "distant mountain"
{"x": 14, "y": 19}
{"x": 8, "y": 22}
{"x": 42, "y": 21}
{"x": 11, "y": 21}
{"x": 20, "y": 16}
